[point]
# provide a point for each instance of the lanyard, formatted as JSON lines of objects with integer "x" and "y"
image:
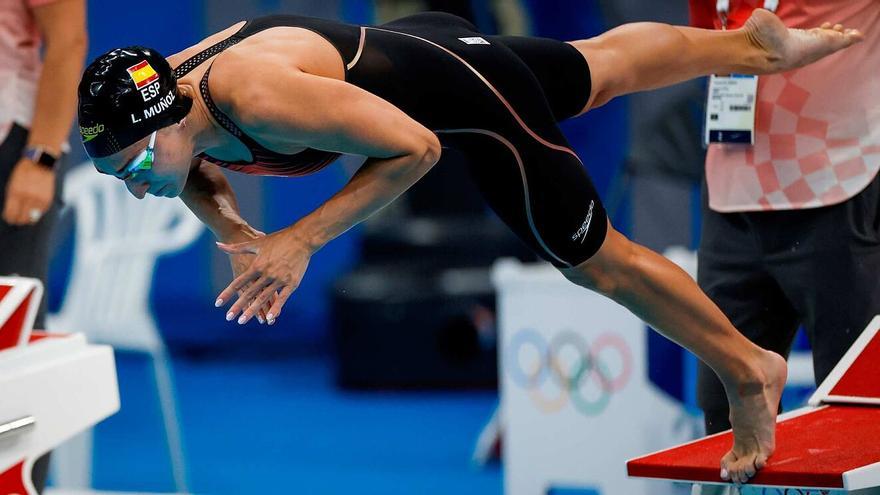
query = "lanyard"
{"x": 723, "y": 8}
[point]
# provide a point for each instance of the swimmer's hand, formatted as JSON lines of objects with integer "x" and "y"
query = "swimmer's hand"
{"x": 241, "y": 262}
{"x": 278, "y": 263}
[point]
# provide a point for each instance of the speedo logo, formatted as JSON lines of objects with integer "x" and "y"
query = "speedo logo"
{"x": 89, "y": 133}
{"x": 474, "y": 40}
{"x": 585, "y": 227}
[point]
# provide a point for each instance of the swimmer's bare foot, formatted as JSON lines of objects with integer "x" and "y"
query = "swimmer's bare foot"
{"x": 785, "y": 49}
{"x": 753, "y": 408}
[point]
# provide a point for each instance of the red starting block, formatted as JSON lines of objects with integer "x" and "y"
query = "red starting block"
{"x": 832, "y": 446}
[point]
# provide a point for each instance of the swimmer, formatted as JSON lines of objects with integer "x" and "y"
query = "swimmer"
{"x": 286, "y": 95}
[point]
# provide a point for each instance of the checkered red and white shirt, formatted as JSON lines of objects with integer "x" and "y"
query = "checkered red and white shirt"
{"x": 818, "y": 127}
{"x": 20, "y": 64}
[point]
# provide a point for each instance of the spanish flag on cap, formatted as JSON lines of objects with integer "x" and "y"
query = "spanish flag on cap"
{"x": 142, "y": 74}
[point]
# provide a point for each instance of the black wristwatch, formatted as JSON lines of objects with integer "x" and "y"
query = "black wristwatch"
{"x": 39, "y": 155}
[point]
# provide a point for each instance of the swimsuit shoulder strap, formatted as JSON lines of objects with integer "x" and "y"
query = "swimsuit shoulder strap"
{"x": 191, "y": 63}
{"x": 222, "y": 118}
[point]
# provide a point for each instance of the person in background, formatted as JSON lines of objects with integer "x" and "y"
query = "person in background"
{"x": 36, "y": 111}
{"x": 791, "y": 225}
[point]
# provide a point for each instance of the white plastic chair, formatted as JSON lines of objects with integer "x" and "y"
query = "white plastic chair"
{"x": 117, "y": 242}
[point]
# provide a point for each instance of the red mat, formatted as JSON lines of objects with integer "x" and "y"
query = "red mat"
{"x": 813, "y": 450}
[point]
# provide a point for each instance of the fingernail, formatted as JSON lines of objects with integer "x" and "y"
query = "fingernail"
{"x": 724, "y": 474}
{"x": 270, "y": 317}
{"x": 218, "y": 303}
{"x": 260, "y": 320}
{"x": 229, "y": 316}
{"x": 271, "y": 322}
{"x": 241, "y": 320}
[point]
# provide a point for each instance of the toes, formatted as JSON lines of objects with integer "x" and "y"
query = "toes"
{"x": 854, "y": 35}
{"x": 743, "y": 470}
{"x": 734, "y": 469}
{"x": 825, "y": 25}
{"x": 736, "y": 475}
{"x": 727, "y": 463}
{"x": 761, "y": 461}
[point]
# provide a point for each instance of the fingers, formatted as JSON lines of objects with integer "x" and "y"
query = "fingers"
{"x": 280, "y": 300}
{"x": 264, "y": 311}
{"x": 19, "y": 212}
{"x": 269, "y": 280}
{"x": 29, "y": 194}
{"x": 261, "y": 314}
{"x": 260, "y": 301}
{"x": 12, "y": 212}
{"x": 237, "y": 285}
{"x": 245, "y": 299}
{"x": 256, "y": 298}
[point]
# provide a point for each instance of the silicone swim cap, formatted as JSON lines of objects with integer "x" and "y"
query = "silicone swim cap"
{"x": 125, "y": 95}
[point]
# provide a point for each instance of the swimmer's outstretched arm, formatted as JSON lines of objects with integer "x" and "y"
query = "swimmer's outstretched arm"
{"x": 210, "y": 197}
{"x": 331, "y": 115}
{"x": 642, "y": 56}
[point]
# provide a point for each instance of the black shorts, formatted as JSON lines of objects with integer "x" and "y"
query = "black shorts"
{"x": 497, "y": 100}
{"x": 771, "y": 272}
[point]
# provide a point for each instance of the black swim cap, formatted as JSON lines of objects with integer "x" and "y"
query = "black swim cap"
{"x": 125, "y": 95}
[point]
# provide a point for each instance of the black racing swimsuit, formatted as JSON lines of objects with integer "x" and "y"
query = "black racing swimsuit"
{"x": 496, "y": 99}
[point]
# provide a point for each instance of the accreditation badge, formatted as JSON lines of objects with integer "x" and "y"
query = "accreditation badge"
{"x": 730, "y": 109}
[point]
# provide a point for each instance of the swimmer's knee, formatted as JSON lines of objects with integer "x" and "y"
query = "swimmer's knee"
{"x": 608, "y": 270}
{"x": 592, "y": 276}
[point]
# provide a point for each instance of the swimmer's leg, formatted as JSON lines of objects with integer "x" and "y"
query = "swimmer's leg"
{"x": 668, "y": 299}
{"x": 642, "y": 56}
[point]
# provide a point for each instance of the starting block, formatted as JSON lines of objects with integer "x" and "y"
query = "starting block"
{"x": 832, "y": 446}
{"x": 52, "y": 386}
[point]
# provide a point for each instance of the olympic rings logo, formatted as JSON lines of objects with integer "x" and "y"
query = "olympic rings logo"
{"x": 568, "y": 369}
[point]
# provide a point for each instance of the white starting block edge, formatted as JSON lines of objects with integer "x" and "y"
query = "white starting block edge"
{"x": 17, "y": 358}
{"x": 823, "y": 393}
{"x": 64, "y": 383}
{"x": 863, "y": 478}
